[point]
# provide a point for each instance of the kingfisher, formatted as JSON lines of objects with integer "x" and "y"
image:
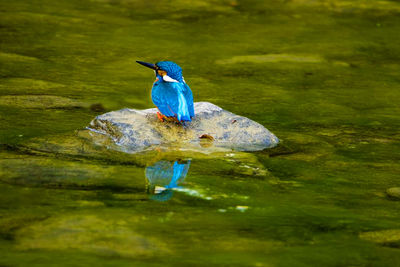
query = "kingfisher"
{"x": 170, "y": 93}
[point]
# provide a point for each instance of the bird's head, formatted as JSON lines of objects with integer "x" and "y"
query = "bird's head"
{"x": 166, "y": 71}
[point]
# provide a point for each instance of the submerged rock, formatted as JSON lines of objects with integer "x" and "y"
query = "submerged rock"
{"x": 102, "y": 235}
{"x": 394, "y": 192}
{"x": 135, "y": 130}
{"x": 383, "y": 236}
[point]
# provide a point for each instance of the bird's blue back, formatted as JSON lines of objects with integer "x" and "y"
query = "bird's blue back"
{"x": 173, "y": 98}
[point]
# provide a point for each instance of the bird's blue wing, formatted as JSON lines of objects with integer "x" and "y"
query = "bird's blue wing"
{"x": 170, "y": 99}
{"x": 165, "y": 98}
{"x": 189, "y": 100}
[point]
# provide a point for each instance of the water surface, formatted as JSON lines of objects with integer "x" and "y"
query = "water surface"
{"x": 321, "y": 75}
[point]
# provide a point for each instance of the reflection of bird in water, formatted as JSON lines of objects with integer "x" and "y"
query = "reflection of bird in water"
{"x": 164, "y": 176}
{"x": 170, "y": 93}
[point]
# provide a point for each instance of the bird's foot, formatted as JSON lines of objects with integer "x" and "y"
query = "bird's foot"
{"x": 160, "y": 117}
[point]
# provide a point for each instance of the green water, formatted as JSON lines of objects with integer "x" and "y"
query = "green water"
{"x": 322, "y": 75}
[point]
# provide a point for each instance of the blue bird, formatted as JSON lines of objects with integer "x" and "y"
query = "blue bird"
{"x": 170, "y": 93}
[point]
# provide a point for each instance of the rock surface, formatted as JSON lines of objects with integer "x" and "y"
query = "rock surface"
{"x": 135, "y": 130}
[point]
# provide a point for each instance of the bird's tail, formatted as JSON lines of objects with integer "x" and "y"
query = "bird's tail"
{"x": 183, "y": 110}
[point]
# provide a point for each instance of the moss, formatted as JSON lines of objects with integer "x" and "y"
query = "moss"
{"x": 87, "y": 233}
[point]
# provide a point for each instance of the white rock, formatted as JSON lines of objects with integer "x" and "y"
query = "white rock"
{"x": 136, "y": 130}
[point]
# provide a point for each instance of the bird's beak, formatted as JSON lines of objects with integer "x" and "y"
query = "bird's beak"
{"x": 149, "y": 65}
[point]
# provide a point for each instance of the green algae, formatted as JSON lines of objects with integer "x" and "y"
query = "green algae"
{"x": 322, "y": 75}
{"x": 271, "y": 58}
{"x": 39, "y": 102}
{"x": 103, "y": 236}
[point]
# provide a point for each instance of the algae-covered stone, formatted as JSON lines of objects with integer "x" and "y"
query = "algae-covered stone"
{"x": 393, "y": 192}
{"x": 89, "y": 233}
{"x": 383, "y": 236}
{"x": 136, "y": 130}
